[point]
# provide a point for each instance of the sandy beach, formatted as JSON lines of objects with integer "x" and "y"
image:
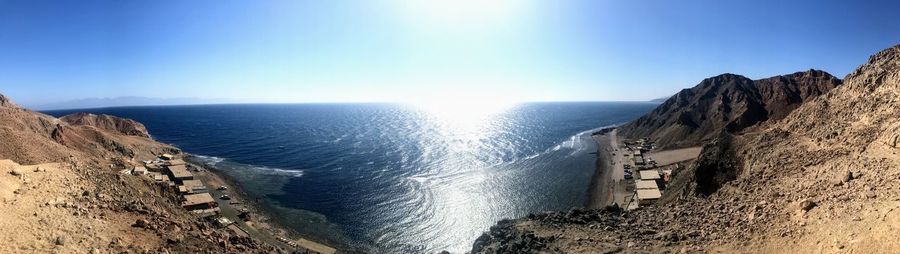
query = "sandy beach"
{"x": 607, "y": 186}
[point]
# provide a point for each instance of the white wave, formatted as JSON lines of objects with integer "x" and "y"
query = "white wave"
{"x": 278, "y": 171}
{"x": 210, "y": 160}
{"x": 217, "y": 162}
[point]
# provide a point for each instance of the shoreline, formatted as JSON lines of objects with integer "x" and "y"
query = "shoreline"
{"x": 607, "y": 183}
{"x": 264, "y": 220}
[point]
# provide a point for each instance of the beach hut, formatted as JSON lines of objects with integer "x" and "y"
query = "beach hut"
{"x": 650, "y": 175}
{"x": 201, "y": 201}
{"x": 194, "y": 186}
{"x": 648, "y": 196}
{"x": 646, "y": 185}
{"x": 139, "y": 171}
{"x": 175, "y": 162}
{"x": 179, "y": 173}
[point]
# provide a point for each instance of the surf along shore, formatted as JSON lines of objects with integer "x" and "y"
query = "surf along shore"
{"x": 263, "y": 225}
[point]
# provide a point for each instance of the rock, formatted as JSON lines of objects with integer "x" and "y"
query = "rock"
{"x": 60, "y": 240}
{"x": 173, "y": 240}
{"x": 871, "y": 194}
{"x": 140, "y": 223}
{"x": 94, "y": 251}
{"x": 806, "y": 205}
{"x": 16, "y": 172}
{"x": 843, "y": 178}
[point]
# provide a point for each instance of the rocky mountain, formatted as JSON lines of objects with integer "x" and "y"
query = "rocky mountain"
{"x": 727, "y": 102}
{"x": 825, "y": 178}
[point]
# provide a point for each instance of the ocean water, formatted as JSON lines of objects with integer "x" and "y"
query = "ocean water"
{"x": 392, "y": 178}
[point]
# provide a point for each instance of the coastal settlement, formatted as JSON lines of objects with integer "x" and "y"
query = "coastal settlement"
{"x": 207, "y": 196}
{"x": 634, "y": 173}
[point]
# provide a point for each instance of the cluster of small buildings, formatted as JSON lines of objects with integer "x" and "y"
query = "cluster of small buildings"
{"x": 174, "y": 173}
{"x": 650, "y": 180}
{"x": 196, "y": 197}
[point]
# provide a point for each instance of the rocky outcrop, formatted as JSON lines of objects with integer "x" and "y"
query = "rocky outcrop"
{"x": 727, "y": 102}
{"x": 6, "y": 102}
{"x": 824, "y": 178}
{"x": 107, "y": 123}
{"x": 717, "y": 165}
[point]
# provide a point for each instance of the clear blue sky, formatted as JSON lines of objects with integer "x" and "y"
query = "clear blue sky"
{"x": 321, "y": 51}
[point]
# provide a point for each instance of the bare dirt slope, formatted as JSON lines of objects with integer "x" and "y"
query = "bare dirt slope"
{"x": 825, "y": 179}
{"x": 45, "y": 207}
{"x": 62, "y": 192}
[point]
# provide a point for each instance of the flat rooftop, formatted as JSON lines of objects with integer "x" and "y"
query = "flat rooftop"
{"x": 650, "y": 174}
{"x": 175, "y": 162}
{"x": 646, "y": 184}
{"x": 180, "y": 172}
{"x": 645, "y": 194}
{"x": 197, "y": 199}
{"x": 193, "y": 184}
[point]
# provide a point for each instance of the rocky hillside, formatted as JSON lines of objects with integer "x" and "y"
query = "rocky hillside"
{"x": 5, "y": 102}
{"x": 727, "y": 102}
{"x": 61, "y": 191}
{"x": 30, "y": 137}
{"x": 823, "y": 179}
{"x": 108, "y": 123}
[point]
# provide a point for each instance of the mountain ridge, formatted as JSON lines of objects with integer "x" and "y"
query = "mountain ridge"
{"x": 727, "y": 102}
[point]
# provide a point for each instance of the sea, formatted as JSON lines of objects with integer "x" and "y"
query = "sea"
{"x": 394, "y": 178}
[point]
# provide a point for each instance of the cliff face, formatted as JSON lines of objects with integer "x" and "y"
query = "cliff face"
{"x": 729, "y": 103}
{"x": 824, "y": 178}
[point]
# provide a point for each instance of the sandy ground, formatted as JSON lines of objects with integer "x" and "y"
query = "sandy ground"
{"x": 43, "y": 213}
{"x": 668, "y": 157}
{"x": 608, "y": 185}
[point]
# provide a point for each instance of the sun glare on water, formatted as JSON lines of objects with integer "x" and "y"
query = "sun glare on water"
{"x": 459, "y": 111}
